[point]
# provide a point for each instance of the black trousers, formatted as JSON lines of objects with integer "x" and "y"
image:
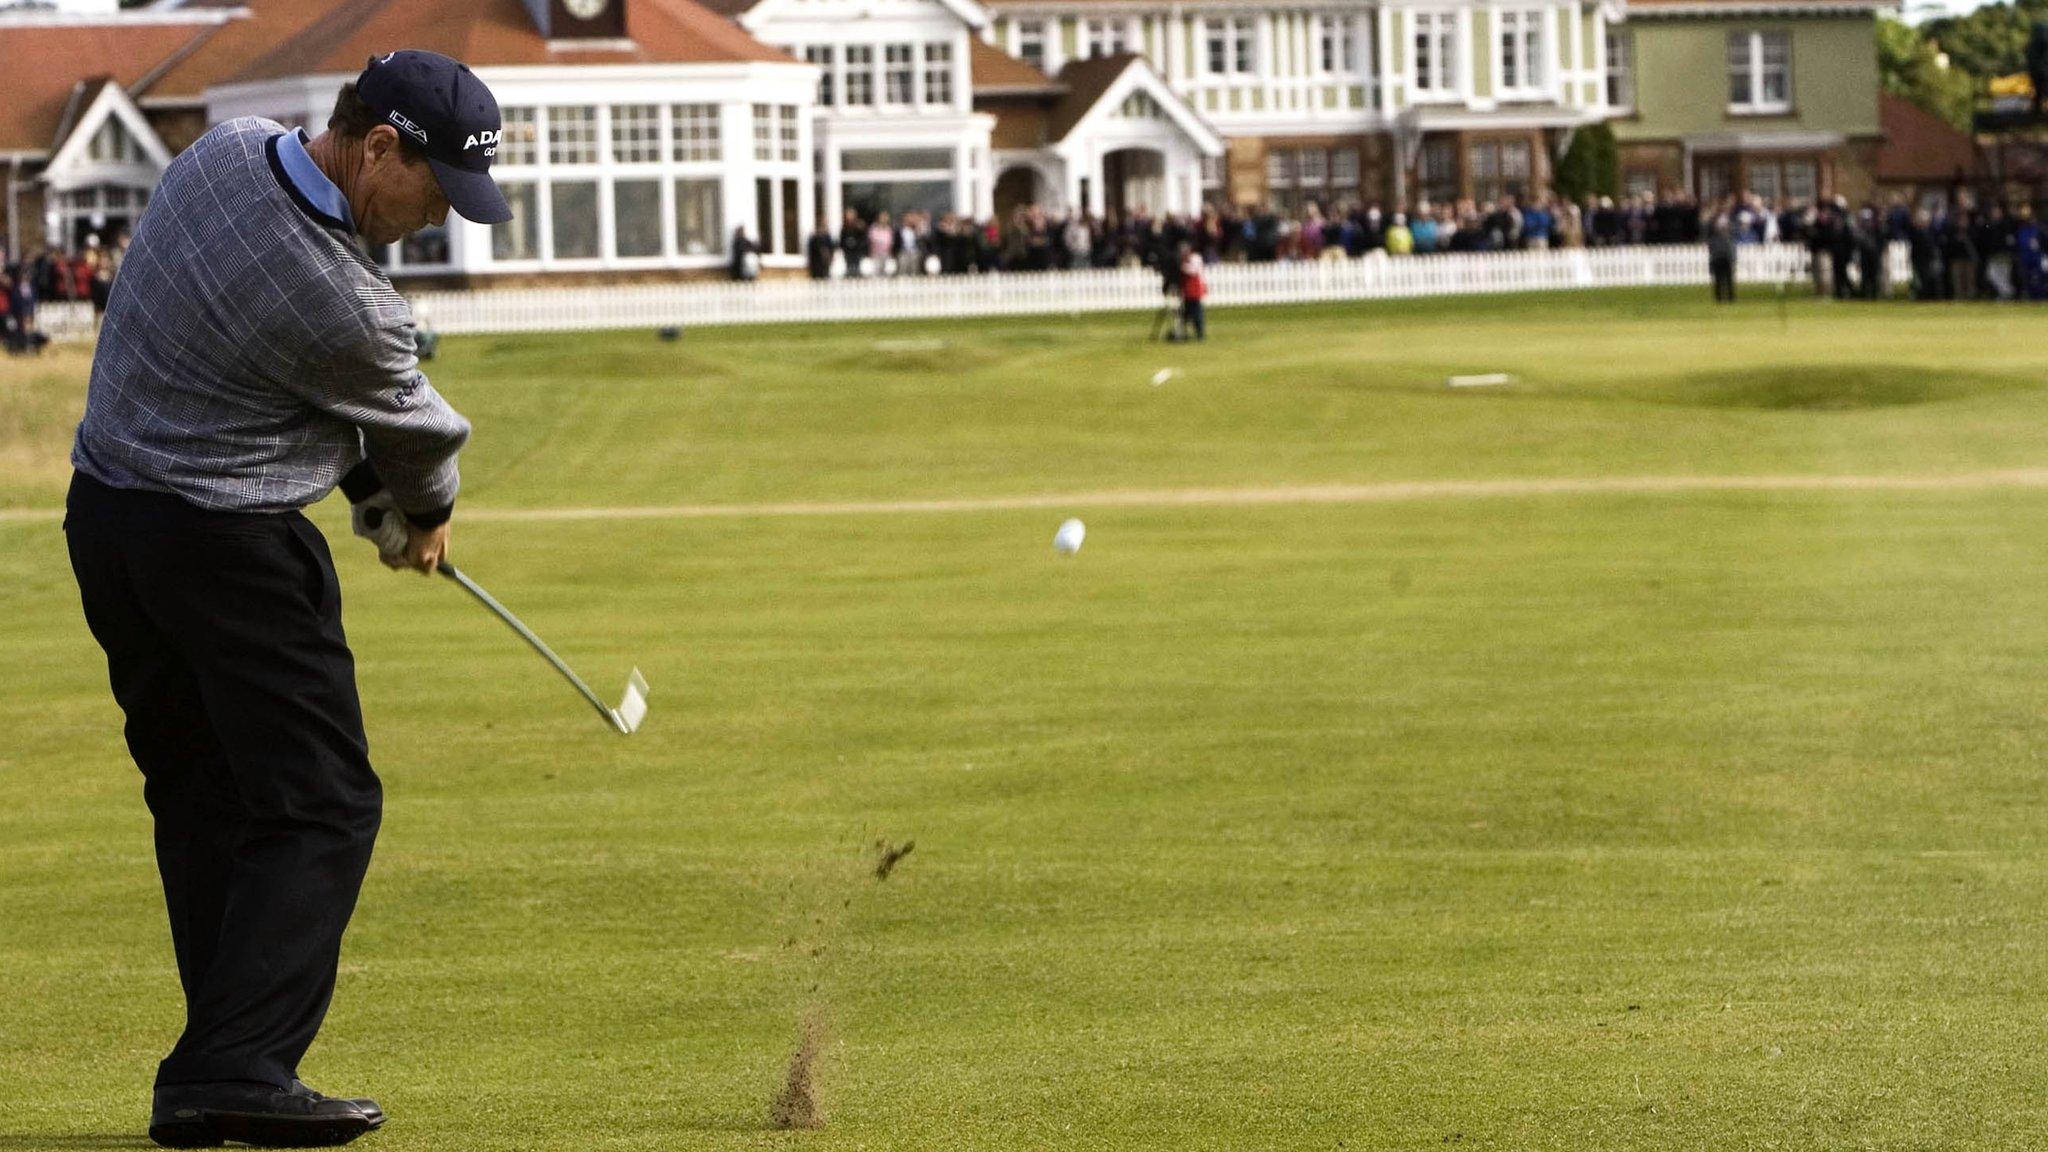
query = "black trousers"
{"x": 1724, "y": 280}
{"x": 224, "y": 645}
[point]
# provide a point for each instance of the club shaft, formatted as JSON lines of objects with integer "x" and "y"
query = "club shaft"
{"x": 526, "y": 634}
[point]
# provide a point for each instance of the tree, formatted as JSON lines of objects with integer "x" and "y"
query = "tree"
{"x": 1911, "y": 65}
{"x": 1590, "y": 165}
{"x": 1990, "y": 41}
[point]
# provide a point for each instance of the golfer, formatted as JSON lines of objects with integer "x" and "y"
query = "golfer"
{"x": 253, "y": 357}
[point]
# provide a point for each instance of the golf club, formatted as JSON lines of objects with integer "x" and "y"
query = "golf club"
{"x": 632, "y": 708}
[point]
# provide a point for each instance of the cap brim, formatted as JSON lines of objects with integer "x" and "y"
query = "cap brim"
{"x": 473, "y": 195}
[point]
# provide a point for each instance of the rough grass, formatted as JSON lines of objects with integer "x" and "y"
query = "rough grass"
{"x": 1682, "y": 821}
{"x": 40, "y": 398}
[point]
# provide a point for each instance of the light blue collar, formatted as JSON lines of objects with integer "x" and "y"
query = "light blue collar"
{"x": 307, "y": 179}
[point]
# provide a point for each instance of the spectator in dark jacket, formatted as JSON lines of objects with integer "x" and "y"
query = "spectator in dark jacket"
{"x": 853, "y": 242}
{"x": 818, "y": 252}
{"x": 1959, "y": 254}
{"x": 1721, "y": 260}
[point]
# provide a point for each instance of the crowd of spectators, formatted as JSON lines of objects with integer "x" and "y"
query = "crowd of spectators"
{"x": 1961, "y": 254}
{"x": 85, "y": 274}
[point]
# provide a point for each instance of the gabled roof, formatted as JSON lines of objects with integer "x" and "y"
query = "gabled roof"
{"x": 997, "y": 73}
{"x": 1922, "y": 148}
{"x": 93, "y": 103}
{"x": 83, "y": 94}
{"x": 1085, "y": 82}
{"x": 268, "y": 24}
{"x": 498, "y": 33}
{"x": 39, "y": 92}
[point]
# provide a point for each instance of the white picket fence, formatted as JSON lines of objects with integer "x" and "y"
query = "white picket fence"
{"x": 702, "y": 303}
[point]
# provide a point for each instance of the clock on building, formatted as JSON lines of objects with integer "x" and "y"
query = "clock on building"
{"x": 586, "y": 19}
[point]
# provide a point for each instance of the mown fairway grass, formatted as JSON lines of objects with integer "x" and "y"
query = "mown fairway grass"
{"x": 1621, "y": 821}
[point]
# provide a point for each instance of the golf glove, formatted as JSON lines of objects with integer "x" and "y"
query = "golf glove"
{"x": 377, "y": 519}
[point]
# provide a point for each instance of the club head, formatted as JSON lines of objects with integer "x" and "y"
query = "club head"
{"x": 632, "y": 708}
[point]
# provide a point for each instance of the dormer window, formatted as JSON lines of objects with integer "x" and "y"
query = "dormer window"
{"x": 114, "y": 144}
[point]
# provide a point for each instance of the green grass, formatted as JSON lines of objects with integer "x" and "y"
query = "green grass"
{"x": 1698, "y": 820}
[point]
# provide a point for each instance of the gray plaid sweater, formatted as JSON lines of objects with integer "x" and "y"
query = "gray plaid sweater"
{"x": 253, "y": 354}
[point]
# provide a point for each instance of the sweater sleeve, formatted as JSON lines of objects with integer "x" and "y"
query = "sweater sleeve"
{"x": 368, "y": 374}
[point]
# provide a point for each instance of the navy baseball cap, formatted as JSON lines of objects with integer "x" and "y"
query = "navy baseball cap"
{"x": 447, "y": 111}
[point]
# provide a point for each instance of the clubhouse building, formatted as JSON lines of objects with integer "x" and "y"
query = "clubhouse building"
{"x": 642, "y": 134}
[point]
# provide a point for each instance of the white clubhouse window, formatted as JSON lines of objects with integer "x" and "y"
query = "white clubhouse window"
{"x": 1339, "y": 41}
{"x": 938, "y": 74}
{"x": 518, "y": 144}
{"x": 1521, "y": 50}
{"x": 636, "y": 217}
{"x": 1031, "y": 42}
{"x": 860, "y": 75}
{"x": 636, "y": 133}
{"x": 900, "y": 68}
{"x": 700, "y": 228}
{"x": 519, "y": 237}
{"x": 1621, "y": 68}
{"x": 821, "y": 55}
{"x": 572, "y": 134}
{"x": 574, "y": 204}
{"x": 1229, "y": 46}
{"x": 1759, "y": 72}
{"x": 696, "y": 127}
{"x": 1436, "y": 52}
{"x": 636, "y": 183}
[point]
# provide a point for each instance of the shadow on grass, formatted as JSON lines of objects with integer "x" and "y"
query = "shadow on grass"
{"x": 31, "y": 1140}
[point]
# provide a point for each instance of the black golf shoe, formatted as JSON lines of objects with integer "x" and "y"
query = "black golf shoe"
{"x": 369, "y": 1107}
{"x": 208, "y": 1115}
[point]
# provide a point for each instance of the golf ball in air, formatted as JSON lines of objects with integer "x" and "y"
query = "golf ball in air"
{"x": 1067, "y": 540}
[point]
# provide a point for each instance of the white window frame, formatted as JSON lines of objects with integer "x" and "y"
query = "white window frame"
{"x": 1436, "y": 69}
{"x": 936, "y": 61}
{"x": 1337, "y": 45}
{"x": 862, "y": 72}
{"x": 1235, "y": 40}
{"x": 1103, "y": 36}
{"x": 1518, "y": 40}
{"x": 1032, "y": 40}
{"x": 899, "y": 61}
{"x": 1620, "y": 88}
{"x": 1747, "y": 52}
{"x": 696, "y": 157}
